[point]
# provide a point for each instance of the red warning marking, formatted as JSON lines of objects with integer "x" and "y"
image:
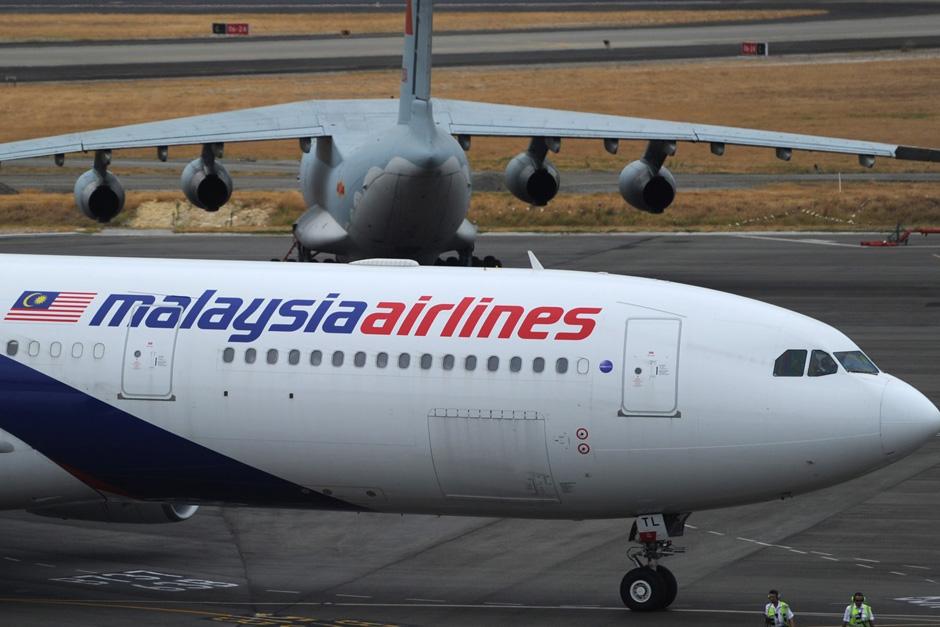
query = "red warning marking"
{"x": 409, "y": 28}
{"x": 581, "y": 433}
{"x": 584, "y": 448}
{"x": 341, "y": 188}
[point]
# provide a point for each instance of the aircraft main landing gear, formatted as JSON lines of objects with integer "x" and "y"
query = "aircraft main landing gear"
{"x": 649, "y": 586}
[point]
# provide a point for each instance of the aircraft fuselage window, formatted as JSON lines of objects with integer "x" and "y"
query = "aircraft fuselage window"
{"x": 791, "y": 363}
{"x": 55, "y": 349}
{"x": 12, "y": 347}
{"x": 293, "y": 357}
{"x": 338, "y": 358}
{"x": 316, "y": 358}
{"x": 272, "y": 356}
{"x": 470, "y": 363}
{"x": 583, "y": 366}
{"x": 250, "y": 356}
{"x": 426, "y": 361}
{"x": 32, "y": 348}
{"x": 448, "y": 362}
{"x": 77, "y": 349}
{"x": 404, "y": 360}
{"x": 538, "y": 364}
{"x": 856, "y": 361}
{"x": 515, "y": 364}
{"x": 228, "y": 355}
{"x": 98, "y": 351}
{"x": 821, "y": 364}
{"x": 561, "y": 366}
{"x": 381, "y": 360}
{"x": 492, "y": 364}
{"x": 359, "y": 359}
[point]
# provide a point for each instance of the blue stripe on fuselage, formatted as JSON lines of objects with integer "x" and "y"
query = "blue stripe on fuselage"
{"x": 109, "y": 448}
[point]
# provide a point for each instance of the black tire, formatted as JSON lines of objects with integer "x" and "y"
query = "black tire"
{"x": 643, "y": 590}
{"x": 672, "y": 586}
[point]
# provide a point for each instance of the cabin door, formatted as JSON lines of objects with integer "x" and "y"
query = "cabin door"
{"x": 651, "y": 367}
{"x": 148, "y": 358}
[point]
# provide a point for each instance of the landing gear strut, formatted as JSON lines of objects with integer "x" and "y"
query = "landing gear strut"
{"x": 649, "y": 586}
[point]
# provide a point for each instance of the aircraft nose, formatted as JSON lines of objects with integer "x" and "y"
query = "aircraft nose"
{"x": 908, "y": 419}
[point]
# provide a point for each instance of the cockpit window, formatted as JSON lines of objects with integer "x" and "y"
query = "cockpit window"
{"x": 821, "y": 364}
{"x": 790, "y": 364}
{"x": 856, "y": 361}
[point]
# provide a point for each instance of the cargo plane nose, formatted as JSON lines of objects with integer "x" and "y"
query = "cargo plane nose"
{"x": 908, "y": 419}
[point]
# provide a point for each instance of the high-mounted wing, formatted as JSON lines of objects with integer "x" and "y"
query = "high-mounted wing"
{"x": 482, "y": 119}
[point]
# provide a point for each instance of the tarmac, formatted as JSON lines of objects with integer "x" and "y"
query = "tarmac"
{"x": 262, "y": 567}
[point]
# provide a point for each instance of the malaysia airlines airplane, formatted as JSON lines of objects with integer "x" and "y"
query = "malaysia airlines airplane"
{"x": 387, "y": 178}
{"x": 136, "y": 391}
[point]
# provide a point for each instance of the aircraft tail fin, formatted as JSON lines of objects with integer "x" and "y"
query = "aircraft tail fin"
{"x": 416, "y": 59}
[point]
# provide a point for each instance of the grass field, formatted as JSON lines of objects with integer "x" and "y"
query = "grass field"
{"x": 104, "y": 26}
{"x": 892, "y": 100}
{"x": 808, "y": 207}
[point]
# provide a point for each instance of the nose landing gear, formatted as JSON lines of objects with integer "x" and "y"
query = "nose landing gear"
{"x": 649, "y": 586}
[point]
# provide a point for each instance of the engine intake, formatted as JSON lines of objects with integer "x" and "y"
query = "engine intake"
{"x": 100, "y": 196}
{"x": 121, "y": 512}
{"x": 644, "y": 188}
{"x": 208, "y": 186}
{"x": 532, "y": 180}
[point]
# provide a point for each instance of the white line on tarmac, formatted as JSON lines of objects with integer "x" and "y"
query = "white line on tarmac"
{"x": 821, "y": 553}
{"x": 718, "y": 533}
{"x": 691, "y": 527}
{"x": 355, "y": 596}
{"x": 862, "y": 559}
{"x": 817, "y": 242}
{"x": 82, "y": 570}
{"x": 831, "y": 559}
{"x": 930, "y": 580}
{"x": 864, "y": 566}
{"x": 284, "y": 591}
{"x": 427, "y": 600}
{"x": 917, "y": 567}
{"x": 501, "y": 604}
{"x": 11, "y": 559}
{"x": 894, "y": 572}
{"x": 797, "y": 551}
{"x": 746, "y": 539}
{"x": 44, "y": 565}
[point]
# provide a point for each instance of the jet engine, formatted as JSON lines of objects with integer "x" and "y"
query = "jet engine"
{"x": 206, "y": 184}
{"x": 99, "y": 195}
{"x": 647, "y": 189}
{"x": 530, "y": 176}
{"x": 121, "y": 512}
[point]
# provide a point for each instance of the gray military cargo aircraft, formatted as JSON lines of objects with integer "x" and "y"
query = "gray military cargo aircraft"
{"x": 391, "y": 179}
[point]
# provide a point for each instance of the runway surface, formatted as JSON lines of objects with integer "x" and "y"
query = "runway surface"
{"x": 876, "y": 534}
{"x": 878, "y": 31}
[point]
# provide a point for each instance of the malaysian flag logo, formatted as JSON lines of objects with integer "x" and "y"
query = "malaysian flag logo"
{"x": 50, "y": 306}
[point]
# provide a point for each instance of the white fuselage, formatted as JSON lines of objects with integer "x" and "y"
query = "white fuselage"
{"x": 326, "y": 386}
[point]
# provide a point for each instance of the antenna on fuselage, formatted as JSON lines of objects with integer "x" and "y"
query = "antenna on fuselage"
{"x": 416, "y": 58}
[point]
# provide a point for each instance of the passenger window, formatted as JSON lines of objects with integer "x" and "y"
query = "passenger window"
{"x": 404, "y": 360}
{"x": 338, "y": 358}
{"x": 856, "y": 361}
{"x": 359, "y": 359}
{"x": 32, "y": 348}
{"x": 492, "y": 364}
{"x": 381, "y": 360}
{"x": 426, "y": 361}
{"x": 272, "y": 356}
{"x": 316, "y": 358}
{"x": 821, "y": 364}
{"x": 55, "y": 349}
{"x": 583, "y": 366}
{"x": 538, "y": 364}
{"x": 561, "y": 366}
{"x": 228, "y": 355}
{"x": 250, "y": 356}
{"x": 97, "y": 351}
{"x": 448, "y": 362}
{"x": 470, "y": 363}
{"x": 790, "y": 364}
{"x": 77, "y": 349}
{"x": 293, "y": 357}
{"x": 515, "y": 364}
{"x": 13, "y": 347}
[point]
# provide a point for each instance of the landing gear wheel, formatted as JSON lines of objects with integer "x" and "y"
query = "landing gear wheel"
{"x": 643, "y": 590}
{"x": 672, "y": 586}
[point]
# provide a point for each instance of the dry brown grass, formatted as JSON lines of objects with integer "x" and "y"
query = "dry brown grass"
{"x": 103, "y": 26}
{"x": 883, "y": 100}
{"x": 811, "y": 207}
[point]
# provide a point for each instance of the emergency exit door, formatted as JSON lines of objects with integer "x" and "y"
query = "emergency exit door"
{"x": 148, "y": 359}
{"x": 651, "y": 367}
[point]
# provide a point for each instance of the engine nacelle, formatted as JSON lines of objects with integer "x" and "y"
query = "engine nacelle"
{"x": 530, "y": 181}
{"x": 121, "y": 512}
{"x": 99, "y": 196}
{"x": 645, "y": 189}
{"x": 206, "y": 187}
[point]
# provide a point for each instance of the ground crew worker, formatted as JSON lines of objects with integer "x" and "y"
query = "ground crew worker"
{"x": 858, "y": 612}
{"x": 778, "y": 613}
